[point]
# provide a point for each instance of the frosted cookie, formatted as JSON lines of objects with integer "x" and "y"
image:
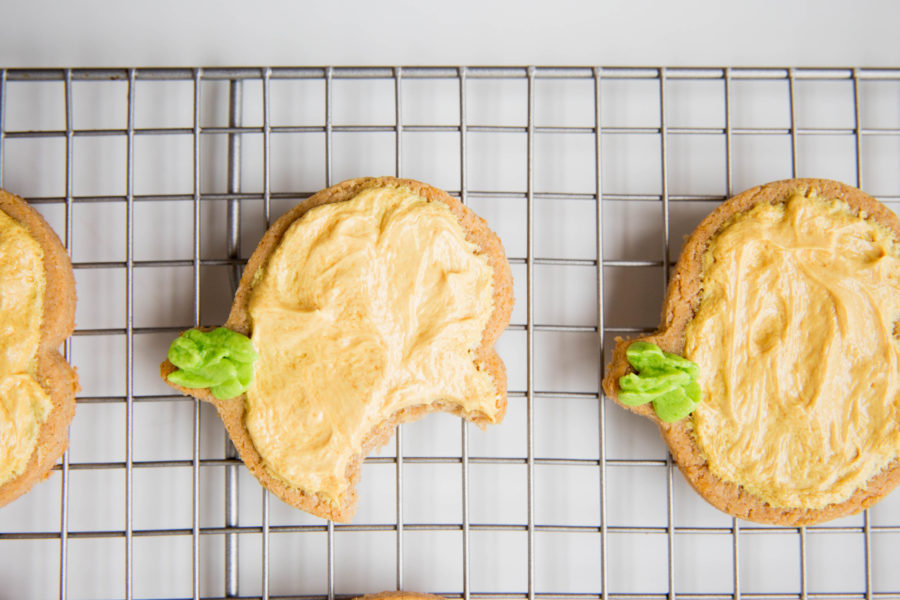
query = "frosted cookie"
{"x": 400, "y": 596}
{"x": 370, "y": 304}
{"x": 776, "y": 380}
{"x": 37, "y": 312}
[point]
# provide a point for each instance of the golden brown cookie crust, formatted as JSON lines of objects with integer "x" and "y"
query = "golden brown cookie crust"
{"x": 399, "y": 596}
{"x": 682, "y": 300}
{"x": 53, "y": 373}
{"x": 232, "y": 411}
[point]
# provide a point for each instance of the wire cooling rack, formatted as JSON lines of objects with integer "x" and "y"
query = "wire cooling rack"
{"x": 161, "y": 181}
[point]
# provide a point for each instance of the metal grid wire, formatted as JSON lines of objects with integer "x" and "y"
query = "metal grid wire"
{"x": 865, "y": 542}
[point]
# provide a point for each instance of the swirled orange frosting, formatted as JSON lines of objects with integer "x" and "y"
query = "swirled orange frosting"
{"x": 799, "y": 359}
{"x": 367, "y": 306}
{"x": 24, "y": 405}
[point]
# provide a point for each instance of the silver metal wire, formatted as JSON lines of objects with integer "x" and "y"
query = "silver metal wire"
{"x": 664, "y": 187}
{"x": 463, "y": 196}
{"x": 230, "y": 530}
{"x": 235, "y": 110}
{"x": 64, "y": 503}
{"x": 729, "y": 168}
{"x": 529, "y": 330}
{"x": 794, "y": 150}
{"x": 195, "y": 313}
{"x": 598, "y": 191}
{"x": 398, "y": 441}
{"x": 129, "y": 347}
{"x": 266, "y": 108}
{"x": 857, "y": 124}
{"x": 329, "y": 166}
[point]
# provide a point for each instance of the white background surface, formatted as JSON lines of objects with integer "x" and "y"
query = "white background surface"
{"x": 473, "y": 32}
{"x": 566, "y": 424}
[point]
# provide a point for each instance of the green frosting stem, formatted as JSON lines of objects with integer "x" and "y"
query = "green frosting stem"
{"x": 221, "y": 360}
{"x": 667, "y": 380}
